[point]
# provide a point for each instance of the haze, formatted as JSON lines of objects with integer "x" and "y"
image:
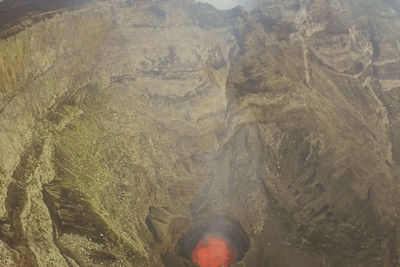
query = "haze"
{"x": 228, "y": 4}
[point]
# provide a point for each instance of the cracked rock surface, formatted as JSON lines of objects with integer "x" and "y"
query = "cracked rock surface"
{"x": 123, "y": 124}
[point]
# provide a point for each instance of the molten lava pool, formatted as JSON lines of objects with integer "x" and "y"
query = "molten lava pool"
{"x": 214, "y": 251}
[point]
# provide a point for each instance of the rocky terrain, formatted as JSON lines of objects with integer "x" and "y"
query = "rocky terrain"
{"x": 128, "y": 127}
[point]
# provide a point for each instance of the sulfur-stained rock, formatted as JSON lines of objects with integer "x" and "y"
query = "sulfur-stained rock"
{"x": 130, "y": 128}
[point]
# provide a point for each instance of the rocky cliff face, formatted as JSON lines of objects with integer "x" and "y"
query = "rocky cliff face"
{"x": 127, "y": 126}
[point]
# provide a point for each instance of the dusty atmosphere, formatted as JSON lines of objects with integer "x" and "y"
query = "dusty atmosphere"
{"x": 172, "y": 133}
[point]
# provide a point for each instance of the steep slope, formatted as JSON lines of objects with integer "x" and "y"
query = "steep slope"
{"x": 131, "y": 128}
{"x": 308, "y": 77}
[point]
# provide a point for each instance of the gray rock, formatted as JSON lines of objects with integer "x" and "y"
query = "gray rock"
{"x": 125, "y": 123}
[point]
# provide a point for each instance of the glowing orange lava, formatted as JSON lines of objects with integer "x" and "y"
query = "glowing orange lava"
{"x": 214, "y": 251}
